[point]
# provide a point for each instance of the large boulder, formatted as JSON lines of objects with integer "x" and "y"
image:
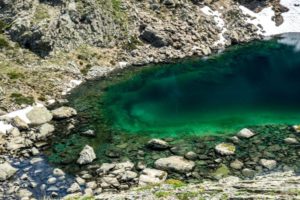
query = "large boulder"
{"x": 154, "y": 37}
{"x": 19, "y": 123}
{"x": 87, "y": 155}
{"x": 175, "y": 163}
{"x": 63, "y": 112}
{"x": 225, "y": 149}
{"x": 152, "y": 176}
{"x": 39, "y": 115}
{"x": 6, "y": 171}
{"x": 158, "y": 144}
{"x": 45, "y": 131}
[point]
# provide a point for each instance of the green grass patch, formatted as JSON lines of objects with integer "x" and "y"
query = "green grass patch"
{"x": 162, "y": 194}
{"x": 4, "y": 43}
{"x": 15, "y": 75}
{"x": 187, "y": 195}
{"x": 175, "y": 183}
{"x": 20, "y": 99}
{"x": 41, "y": 13}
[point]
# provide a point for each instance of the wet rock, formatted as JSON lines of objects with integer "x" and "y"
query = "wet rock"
{"x": 58, "y": 172}
{"x": 296, "y": 128}
{"x": 91, "y": 185}
{"x": 89, "y": 133}
{"x": 35, "y": 151}
{"x": 175, "y": 163}
{"x": 269, "y": 164}
{"x": 236, "y": 164}
{"x": 19, "y": 123}
{"x": 158, "y": 144}
{"x": 24, "y": 193}
{"x": 221, "y": 172}
{"x": 191, "y": 155}
{"x": 87, "y": 155}
{"x": 152, "y": 176}
{"x": 249, "y": 173}
{"x": 51, "y": 180}
{"x": 74, "y": 188}
{"x": 245, "y": 133}
{"x": 291, "y": 141}
{"x": 80, "y": 181}
{"x": 6, "y": 171}
{"x": 39, "y": 115}
{"x": 225, "y": 149}
{"x": 63, "y": 112}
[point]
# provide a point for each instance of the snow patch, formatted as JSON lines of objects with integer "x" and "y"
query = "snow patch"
{"x": 5, "y": 128}
{"x": 291, "y": 18}
{"x": 220, "y": 22}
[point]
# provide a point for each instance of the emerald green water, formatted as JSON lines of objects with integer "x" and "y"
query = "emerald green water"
{"x": 249, "y": 85}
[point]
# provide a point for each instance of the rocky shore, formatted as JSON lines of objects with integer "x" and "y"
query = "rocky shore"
{"x": 49, "y": 47}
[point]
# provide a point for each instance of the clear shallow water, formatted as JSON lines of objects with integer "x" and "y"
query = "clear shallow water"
{"x": 249, "y": 85}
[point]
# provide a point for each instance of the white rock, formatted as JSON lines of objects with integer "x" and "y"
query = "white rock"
{"x": 74, "y": 188}
{"x": 58, "y": 172}
{"x": 175, "y": 163}
{"x": 225, "y": 149}
{"x": 152, "y": 176}
{"x": 111, "y": 181}
{"x": 63, "y": 112}
{"x": 245, "y": 133}
{"x": 51, "y": 180}
{"x": 158, "y": 144}
{"x": 87, "y": 155}
{"x": 291, "y": 141}
{"x": 39, "y": 115}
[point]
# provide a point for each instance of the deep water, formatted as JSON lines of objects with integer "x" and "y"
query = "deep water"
{"x": 253, "y": 84}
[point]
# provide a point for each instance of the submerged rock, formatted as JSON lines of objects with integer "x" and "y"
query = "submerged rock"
{"x": 89, "y": 133}
{"x": 158, "y": 144}
{"x": 87, "y": 155}
{"x": 269, "y": 164}
{"x": 291, "y": 140}
{"x": 39, "y": 115}
{"x": 236, "y": 164}
{"x": 152, "y": 176}
{"x": 6, "y": 171}
{"x": 63, "y": 112}
{"x": 245, "y": 133}
{"x": 175, "y": 163}
{"x": 225, "y": 149}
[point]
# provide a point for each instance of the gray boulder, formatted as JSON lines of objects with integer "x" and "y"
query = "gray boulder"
{"x": 225, "y": 149}
{"x": 19, "y": 123}
{"x": 154, "y": 37}
{"x": 175, "y": 163}
{"x": 245, "y": 133}
{"x": 6, "y": 171}
{"x": 158, "y": 144}
{"x": 39, "y": 115}
{"x": 269, "y": 164}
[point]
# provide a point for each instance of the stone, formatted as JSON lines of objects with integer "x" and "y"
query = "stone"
{"x": 175, "y": 163}
{"x": 89, "y": 133}
{"x": 87, "y": 155}
{"x": 45, "y": 131}
{"x": 51, "y": 180}
{"x": 269, "y": 164}
{"x": 106, "y": 167}
{"x": 296, "y": 128}
{"x": 91, "y": 185}
{"x": 221, "y": 172}
{"x": 6, "y": 171}
{"x": 125, "y": 165}
{"x": 236, "y": 164}
{"x": 152, "y": 176}
{"x": 191, "y": 155}
{"x": 225, "y": 149}
{"x": 291, "y": 140}
{"x": 111, "y": 181}
{"x": 58, "y": 172}
{"x": 35, "y": 151}
{"x": 23, "y": 193}
{"x": 36, "y": 160}
{"x": 74, "y": 188}
{"x": 19, "y": 123}
{"x": 154, "y": 37}
{"x": 129, "y": 175}
{"x": 158, "y": 144}
{"x": 249, "y": 173}
{"x": 63, "y": 112}
{"x": 39, "y": 115}
{"x": 80, "y": 181}
{"x": 245, "y": 133}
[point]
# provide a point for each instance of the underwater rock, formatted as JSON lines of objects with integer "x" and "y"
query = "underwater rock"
{"x": 152, "y": 176}
{"x": 236, "y": 164}
{"x": 158, "y": 144}
{"x": 245, "y": 133}
{"x": 249, "y": 173}
{"x": 87, "y": 155}
{"x": 63, "y": 112}
{"x": 291, "y": 140}
{"x": 225, "y": 149}
{"x": 89, "y": 133}
{"x": 175, "y": 163}
{"x": 191, "y": 155}
{"x": 269, "y": 164}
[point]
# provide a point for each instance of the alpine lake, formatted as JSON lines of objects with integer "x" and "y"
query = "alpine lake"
{"x": 192, "y": 104}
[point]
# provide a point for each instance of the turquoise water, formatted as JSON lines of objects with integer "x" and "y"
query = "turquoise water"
{"x": 248, "y": 85}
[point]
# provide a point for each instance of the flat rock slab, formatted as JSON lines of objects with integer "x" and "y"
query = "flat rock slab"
{"x": 175, "y": 163}
{"x": 39, "y": 115}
